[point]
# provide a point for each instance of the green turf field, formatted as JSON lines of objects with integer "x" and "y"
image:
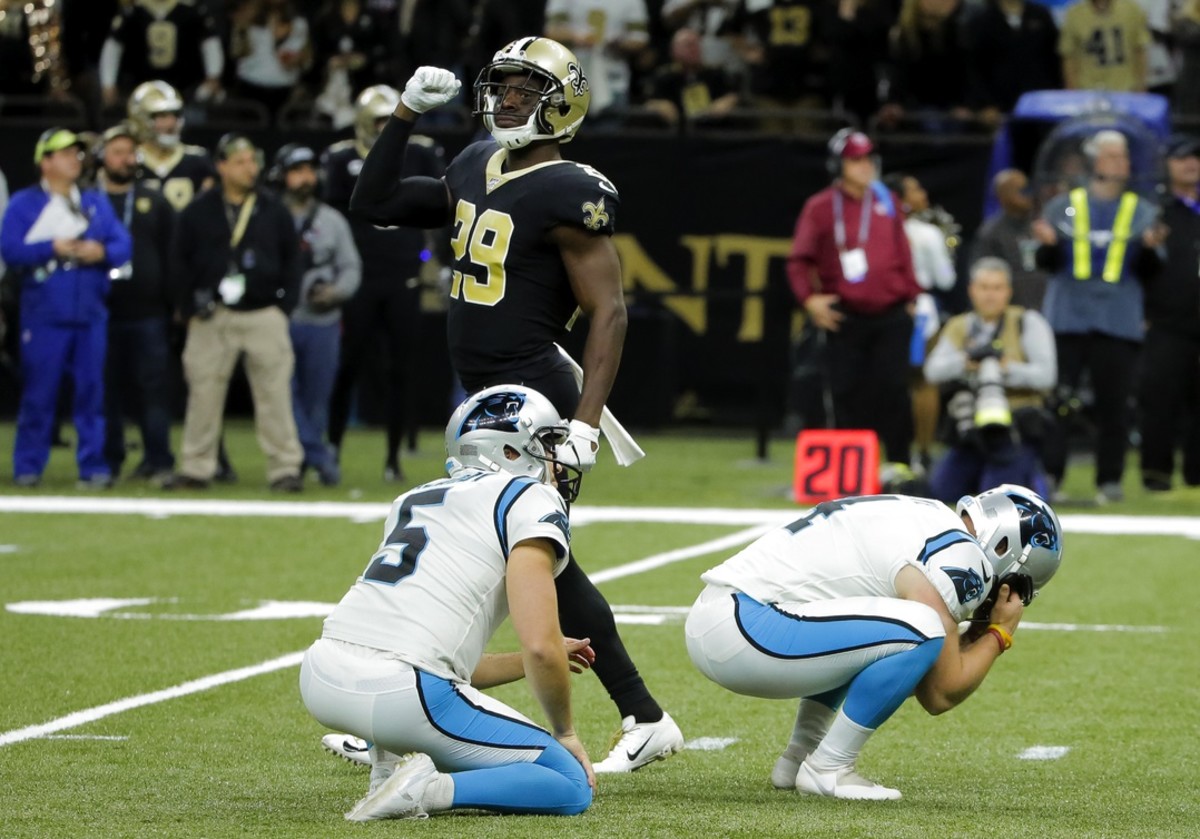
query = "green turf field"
{"x": 1111, "y": 674}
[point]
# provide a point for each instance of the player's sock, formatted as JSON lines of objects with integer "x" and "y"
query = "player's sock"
{"x": 383, "y": 764}
{"x": 812, "y": 722}
{"x": 439, "y": 795}
{"x": 840, "y": 746}
{"x": 584, "y": 613}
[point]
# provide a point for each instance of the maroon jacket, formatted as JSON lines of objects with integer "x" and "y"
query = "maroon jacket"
{"x": 890, "y": 279}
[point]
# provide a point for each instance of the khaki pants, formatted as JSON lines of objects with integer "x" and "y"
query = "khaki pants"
{"x": 209, "y": 359}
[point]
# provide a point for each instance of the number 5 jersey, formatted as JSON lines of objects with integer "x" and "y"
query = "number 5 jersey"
{"x": 434, "y": 591}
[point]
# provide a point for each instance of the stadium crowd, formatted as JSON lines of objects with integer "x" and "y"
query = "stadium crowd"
{"x": 143, "y": 67}
{"x": 651, "y": 60}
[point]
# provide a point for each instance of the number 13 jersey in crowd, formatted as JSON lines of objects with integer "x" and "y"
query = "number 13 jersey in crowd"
{"x": 510, "y": 298}
{"x": 434, "y": 591}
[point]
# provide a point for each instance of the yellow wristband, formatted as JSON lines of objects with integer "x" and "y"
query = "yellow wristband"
{"x": 1003, "y": 636}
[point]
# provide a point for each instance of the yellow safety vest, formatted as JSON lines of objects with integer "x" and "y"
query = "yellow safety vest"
{"x": 1122, "y": 225}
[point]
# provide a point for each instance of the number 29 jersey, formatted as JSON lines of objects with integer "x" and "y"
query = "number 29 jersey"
{"x": 434, "y": 593}
{"x": 855, "y": 547}
{"x": 510, "y": 297}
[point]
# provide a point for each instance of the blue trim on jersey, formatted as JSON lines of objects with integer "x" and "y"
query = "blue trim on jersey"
{"x": 460, "y": 719}
{"x": 504, "y": 503}
{"x": 936, "y": 544}
{"x": 774, "y": 632}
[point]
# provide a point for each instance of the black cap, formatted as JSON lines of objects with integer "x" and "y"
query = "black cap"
{"x": 293, "y": 155}
{"x": 1183, "y": 145}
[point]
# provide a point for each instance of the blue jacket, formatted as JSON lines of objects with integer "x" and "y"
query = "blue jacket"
{"x": 52, "y": 292}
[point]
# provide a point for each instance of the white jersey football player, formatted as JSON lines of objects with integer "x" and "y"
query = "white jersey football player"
{"x": 856, "y": 606}
{"x": 401, "y": 658}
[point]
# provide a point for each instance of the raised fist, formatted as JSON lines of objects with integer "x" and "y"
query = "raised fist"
{"x": 428, "y": 88}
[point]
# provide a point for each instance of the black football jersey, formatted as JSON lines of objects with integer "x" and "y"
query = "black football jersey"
{"x": 161, "y": 40}
{"x": 180, "y": 176}
{"x": 510, "y": 298}
{"x": 389, "y": 254}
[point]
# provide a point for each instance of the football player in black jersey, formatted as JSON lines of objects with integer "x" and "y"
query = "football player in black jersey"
{"x": 388, "y": 301}
{"x": 531, "y": 242}
{"x": 172, "y": 40}
{"x": 180, "y": 172}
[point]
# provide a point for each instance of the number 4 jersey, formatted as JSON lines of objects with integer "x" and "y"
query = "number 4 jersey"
{"x": 855, "y": 547}
{"x": 434, "y": 591}
{"x": 510, "y": 296}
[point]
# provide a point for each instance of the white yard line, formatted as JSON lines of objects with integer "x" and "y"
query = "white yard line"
{"x": 742, "y": 537}
{"x": 129, "y": 703}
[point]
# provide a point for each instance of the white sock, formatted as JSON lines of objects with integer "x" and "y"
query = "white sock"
{"x": 439, "y": 795}
{"x": 383, "y": 764}
{"x": 812, "y": 721}
{"x": 840, "y": 747}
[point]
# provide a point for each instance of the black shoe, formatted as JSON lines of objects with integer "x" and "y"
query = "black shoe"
{"x": 288, "y": 483}
{"x": 181, "y": 481}
{"x": 1156, "y": 485}
{"x": 225, "y": 474}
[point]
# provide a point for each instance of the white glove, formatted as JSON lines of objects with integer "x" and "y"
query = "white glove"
{"x": 428, "y": 88}
{"x": 580, "y": 447}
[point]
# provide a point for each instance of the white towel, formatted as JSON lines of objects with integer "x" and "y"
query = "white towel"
{"x": 624, "y": 447}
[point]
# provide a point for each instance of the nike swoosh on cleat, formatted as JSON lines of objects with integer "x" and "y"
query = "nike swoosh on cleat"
{"x": 633, "y": 755}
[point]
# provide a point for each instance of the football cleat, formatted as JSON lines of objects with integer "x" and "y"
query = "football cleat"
{"x": 638, "y": 744}
{"x": 399, "y": 797}
{"x": 842, "y": 783}
{"x": 348, "y": 747}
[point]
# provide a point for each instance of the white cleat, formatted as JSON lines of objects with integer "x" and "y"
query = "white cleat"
{"x": 843, "y": 783}
{"x": 399, "y": 797}
{"x": 638, "y": 744}
{"x": 783, "y": 776}
{"x": 348, "y": 747}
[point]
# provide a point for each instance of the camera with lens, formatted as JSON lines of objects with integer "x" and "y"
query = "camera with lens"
{"x": 981, "y": 408}
{"x": 205, "y": 301}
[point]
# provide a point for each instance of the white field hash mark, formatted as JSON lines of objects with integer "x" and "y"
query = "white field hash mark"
{"x": 1044, "y": 752}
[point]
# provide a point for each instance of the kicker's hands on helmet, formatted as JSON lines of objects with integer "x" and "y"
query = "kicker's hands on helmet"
{"x": 580, "y": 447}
{"x": 428, "y": 88}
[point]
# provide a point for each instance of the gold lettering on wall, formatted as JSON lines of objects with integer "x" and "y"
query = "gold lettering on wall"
{"x": 690, "y": 305}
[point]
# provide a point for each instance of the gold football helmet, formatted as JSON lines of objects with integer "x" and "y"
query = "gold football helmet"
{"x": 148, "y": 100}
{"x": 552, "y": 73}
{"x": 373, "y": 104}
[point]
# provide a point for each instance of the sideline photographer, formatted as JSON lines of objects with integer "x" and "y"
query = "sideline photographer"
{"x": 999, "y": 361}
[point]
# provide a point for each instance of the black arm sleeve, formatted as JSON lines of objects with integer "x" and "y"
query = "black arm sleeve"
{"x": 383, "y": 197}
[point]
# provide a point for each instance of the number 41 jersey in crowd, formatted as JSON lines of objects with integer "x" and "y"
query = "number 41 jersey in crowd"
{"x": 434, "y": 591}
{"x": 510, "y": 298}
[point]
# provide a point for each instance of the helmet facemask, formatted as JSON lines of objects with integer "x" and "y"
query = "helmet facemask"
{"x": 536, "y": 88}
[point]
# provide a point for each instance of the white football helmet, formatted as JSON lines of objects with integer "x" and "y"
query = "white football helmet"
{"x": 552, "y": 73}
{"x": 1019, "y": 533}
{"x": 514, "y": 429}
